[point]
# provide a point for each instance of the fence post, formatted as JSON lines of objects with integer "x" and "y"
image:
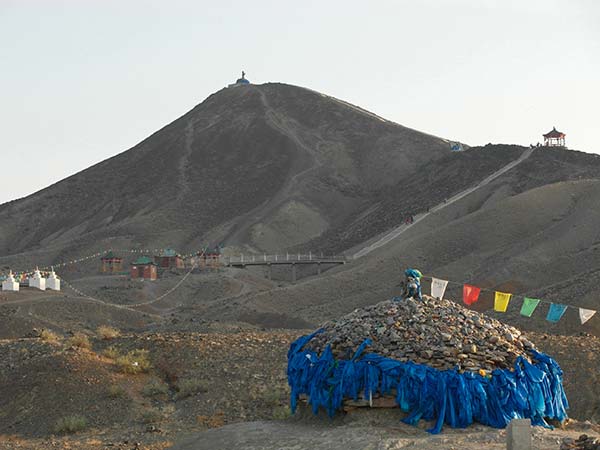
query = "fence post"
{"x": 310, "y": 255}
{"x": 242, "y": 258}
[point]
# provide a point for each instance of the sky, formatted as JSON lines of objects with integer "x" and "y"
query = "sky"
{"x": 83, "y": 80}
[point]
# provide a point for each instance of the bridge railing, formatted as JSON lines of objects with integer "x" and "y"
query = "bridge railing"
{"x": 281, "y": 258}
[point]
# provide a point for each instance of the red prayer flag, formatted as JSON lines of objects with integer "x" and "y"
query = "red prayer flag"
{"x": 470, "y": 294}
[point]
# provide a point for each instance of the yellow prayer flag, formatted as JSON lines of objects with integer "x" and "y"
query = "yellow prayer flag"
{"x": 501, "y": 300}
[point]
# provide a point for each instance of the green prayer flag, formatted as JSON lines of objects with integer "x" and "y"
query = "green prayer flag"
{"x": 529, "y": 305}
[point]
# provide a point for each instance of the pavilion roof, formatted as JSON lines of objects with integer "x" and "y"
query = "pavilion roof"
{"x": 554, "y": 134}
{"x": 143, "y": 260}
{"x": 110, "y": 255}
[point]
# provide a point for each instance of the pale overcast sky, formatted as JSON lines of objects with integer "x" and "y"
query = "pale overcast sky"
{"x": 83, "y": 80}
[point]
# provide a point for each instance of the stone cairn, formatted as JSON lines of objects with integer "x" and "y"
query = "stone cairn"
{"x": 438, "y": 333}
{"x": 583, "y": 442}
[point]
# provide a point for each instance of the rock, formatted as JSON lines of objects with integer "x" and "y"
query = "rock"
{"x": 583, "y": 442}
{"x": 527, "y": 343}
{"x": 427, "y": 354}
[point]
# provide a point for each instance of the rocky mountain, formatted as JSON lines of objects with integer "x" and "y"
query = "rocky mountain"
{"x": 262, "y": 166}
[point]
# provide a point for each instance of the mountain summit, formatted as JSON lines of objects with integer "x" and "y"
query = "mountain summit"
{"x": 260, "y": 166}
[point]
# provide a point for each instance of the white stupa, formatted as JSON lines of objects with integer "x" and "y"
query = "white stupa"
{"x": 10, "y": 284}
{"x": 53, "y": 282}
{"x": 37, "y": 281}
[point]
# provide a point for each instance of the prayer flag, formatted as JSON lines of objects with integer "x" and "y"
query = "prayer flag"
{"x": 585, "y": 314}
{"x": 470, "y": 294}
{"x": 529, "y": 305}
{"x": 556, "y": 312}
{"x": 438, "y": 287}
{"x": 501, "y": 300}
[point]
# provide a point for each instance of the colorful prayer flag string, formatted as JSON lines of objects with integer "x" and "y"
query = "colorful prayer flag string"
{"x": 502, "y": 299}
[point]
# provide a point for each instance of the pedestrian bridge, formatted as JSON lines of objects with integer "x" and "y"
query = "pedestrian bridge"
{"x": 291, "y": 260}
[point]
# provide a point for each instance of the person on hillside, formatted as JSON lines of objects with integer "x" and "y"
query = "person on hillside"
{"x": 413, "y": 284}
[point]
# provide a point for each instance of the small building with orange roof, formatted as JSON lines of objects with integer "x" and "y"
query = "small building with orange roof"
{"x": 169, "y": 258}
{"x": 554, "y": 138}
{"x": 111, "y": 263}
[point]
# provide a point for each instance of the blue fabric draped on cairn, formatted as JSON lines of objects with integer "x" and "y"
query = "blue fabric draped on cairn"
{"x": 532, "y": 391}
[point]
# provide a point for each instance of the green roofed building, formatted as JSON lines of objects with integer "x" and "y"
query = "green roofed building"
{"x": 144, "y": 267}
{"x": 111, "y": 263}
{"x": 169, "y": 258}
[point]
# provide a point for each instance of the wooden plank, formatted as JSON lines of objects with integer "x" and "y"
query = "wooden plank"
{"x": 378, "y": 402}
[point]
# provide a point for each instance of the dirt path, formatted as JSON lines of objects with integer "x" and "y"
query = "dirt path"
{"x": 279, "y": 123}
{"x": 402, "y": 228}
{"x": 79, "y": 297}
{"x": 184, "y": 187}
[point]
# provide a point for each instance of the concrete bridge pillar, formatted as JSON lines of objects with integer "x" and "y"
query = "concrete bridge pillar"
{"x": 319, "y": 268}
{"x": 270, "y": 271}
{"x": 294, "y": 274}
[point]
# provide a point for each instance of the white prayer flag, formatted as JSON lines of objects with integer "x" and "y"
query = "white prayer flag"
{"x": 438, "y": 287}
{"x": 585, "y": 314}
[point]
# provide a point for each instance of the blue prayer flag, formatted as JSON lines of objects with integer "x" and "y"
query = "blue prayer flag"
{"x": 556, "y": 311}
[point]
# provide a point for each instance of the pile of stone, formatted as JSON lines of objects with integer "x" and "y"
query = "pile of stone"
{"x": 583, "y": 442}
{"x": 439, "y": 333}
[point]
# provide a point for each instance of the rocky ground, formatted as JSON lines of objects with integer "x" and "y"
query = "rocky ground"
{"x": 583, "y": 442}
{"x": 215, "y": 387}
{"x": 210, "y": 383}
{"x": 579, "y": 358}
{"x": 192, "y": 382}
{"x": 369, "y": 430}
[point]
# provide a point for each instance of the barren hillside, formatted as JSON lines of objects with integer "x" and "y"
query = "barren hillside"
{"x": 542, "y": 241}
{"x": 244, "y": 167}
{"x": 438, "y": 180}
